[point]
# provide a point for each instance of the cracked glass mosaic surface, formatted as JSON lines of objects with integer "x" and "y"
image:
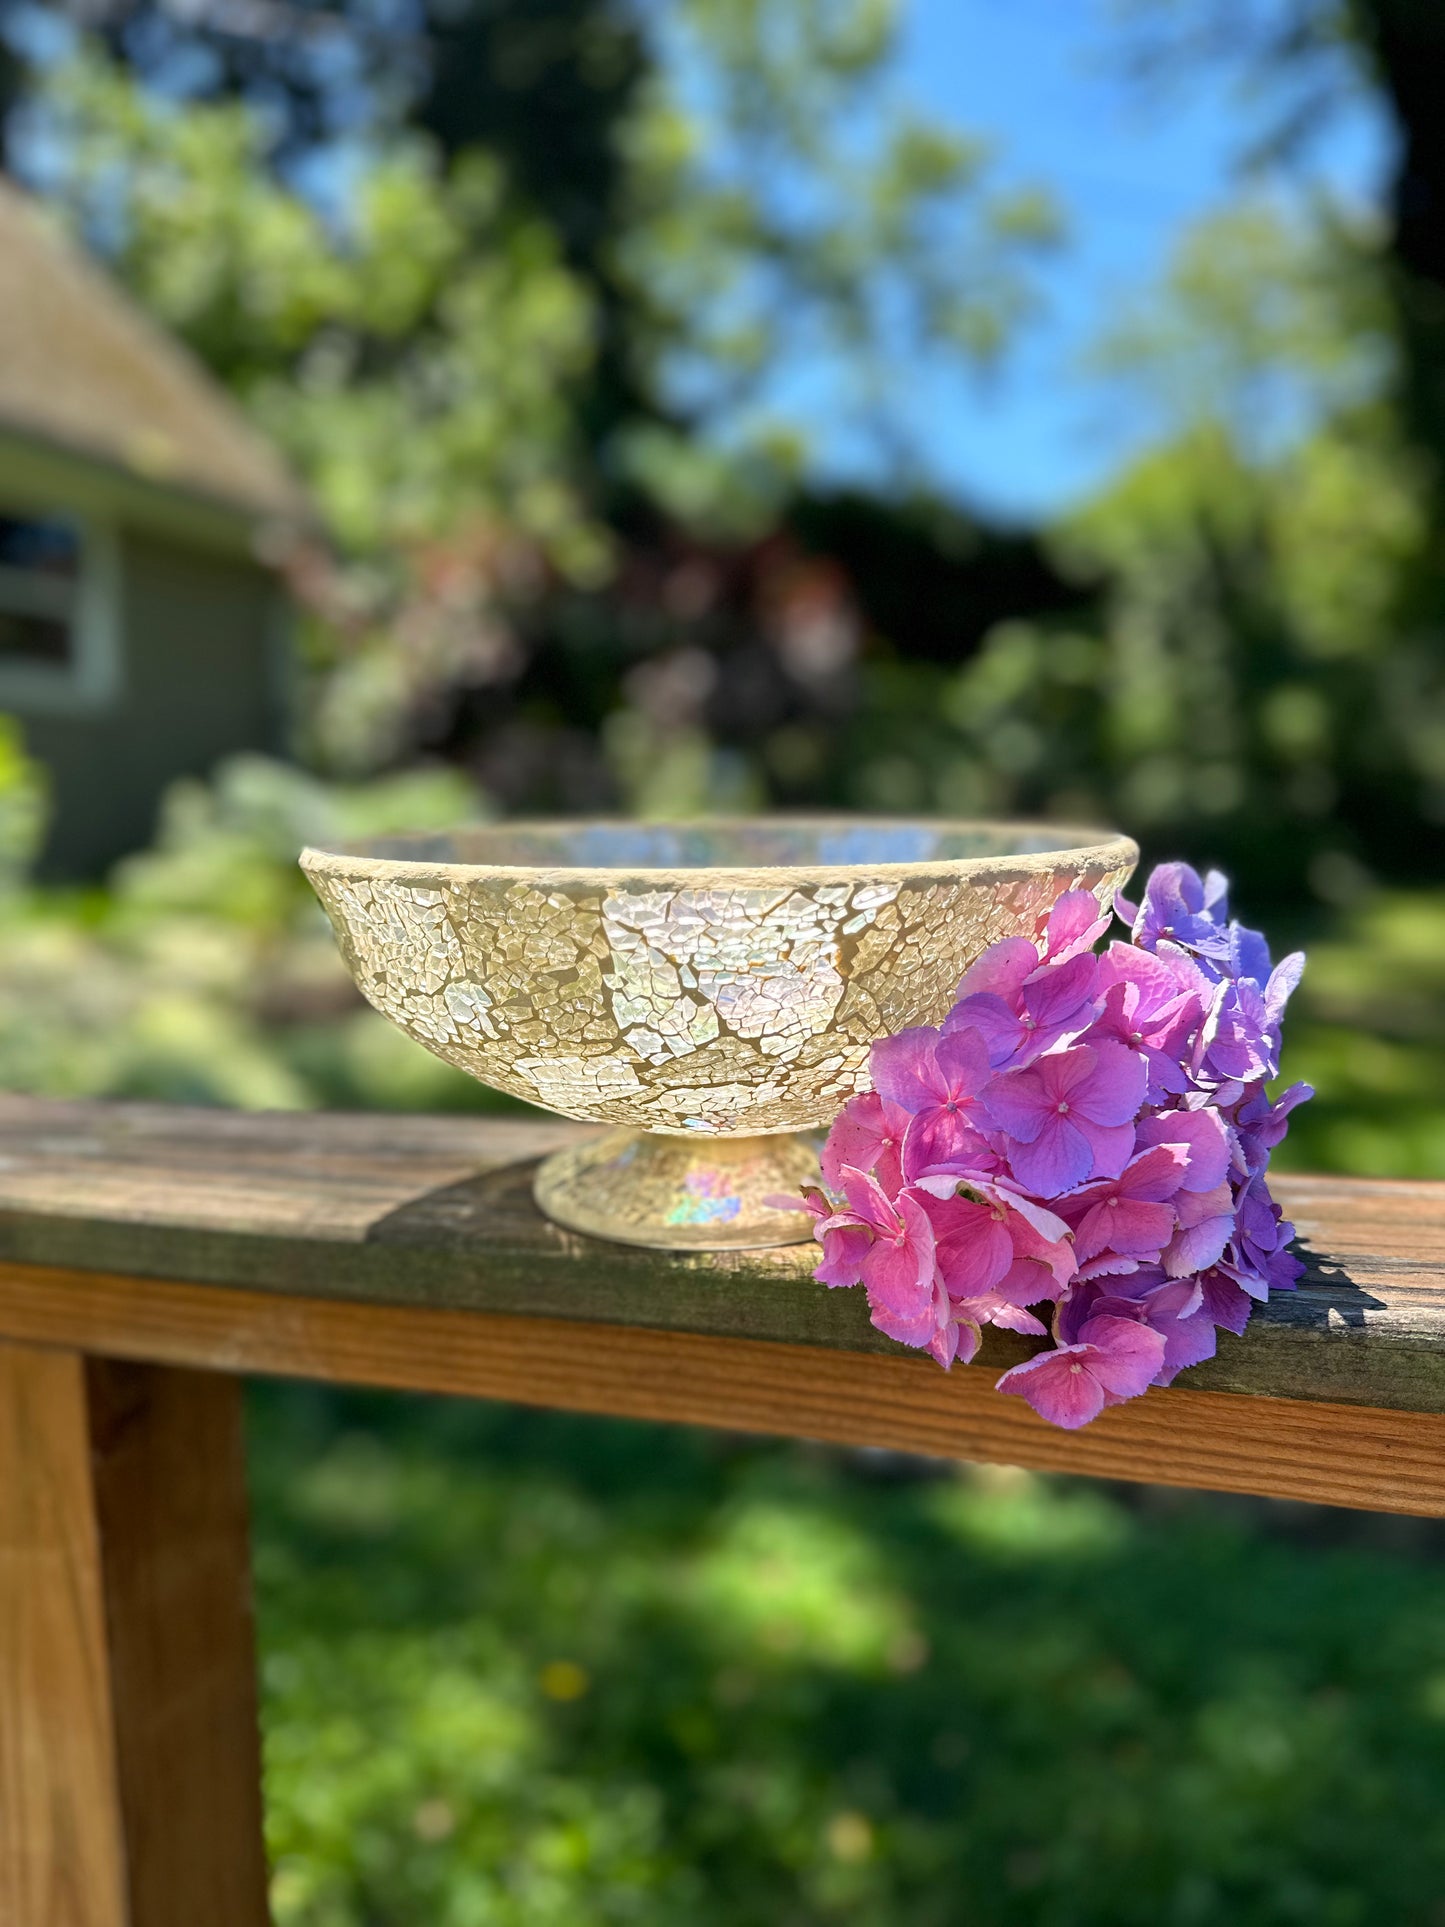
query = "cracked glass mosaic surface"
{"x": 719, "y": 1003}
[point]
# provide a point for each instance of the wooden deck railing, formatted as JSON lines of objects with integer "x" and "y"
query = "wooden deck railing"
{"x": 150, "y": 1257}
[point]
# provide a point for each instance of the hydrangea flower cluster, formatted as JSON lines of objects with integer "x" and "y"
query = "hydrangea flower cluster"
{"x": 1086, "y": 1136}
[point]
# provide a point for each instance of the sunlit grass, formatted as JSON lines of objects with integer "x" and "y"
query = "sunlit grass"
{"x": 525, "y": 1669}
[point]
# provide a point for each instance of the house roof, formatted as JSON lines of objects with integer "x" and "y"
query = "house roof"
{"x": 82, "y": 369}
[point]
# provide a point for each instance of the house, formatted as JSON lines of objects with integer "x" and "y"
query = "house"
{"x": 142, "y": 635}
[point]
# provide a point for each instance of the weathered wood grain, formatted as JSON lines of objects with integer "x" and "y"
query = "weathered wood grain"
{"x": 168, "y": 1467}
{"x": 62, "y": 1862}
{"x": 437, "y": 1212}
{"x": 276, "y": 1174}
{"x": 129, "y": 1755}
{"x": 1325, "y": 1452}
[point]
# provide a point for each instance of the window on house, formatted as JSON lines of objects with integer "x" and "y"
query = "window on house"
{"x": 40, "y": 570}
{"x": 59, "y": 612}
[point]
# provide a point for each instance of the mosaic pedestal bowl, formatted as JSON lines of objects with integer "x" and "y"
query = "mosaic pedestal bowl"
{"x": 710, "y": 989}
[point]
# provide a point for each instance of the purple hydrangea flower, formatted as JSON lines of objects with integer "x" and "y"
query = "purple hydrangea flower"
{"x": 1133, "y": 1213}
{"x": 1056, "y": 1001}
{"x": 1202, "y": 1134}
{"x": 936, "y": 1080}
{"x": 1069, "y": 1116}
{"x": 1206, "y": 1222}
{"x": 1259, "y": 1125}
{"x": 1173, "y": 1309}
{"x": 1237, "y": 1042}
{"x": 1083, "y": 1135}
{"x": 1225, "y": 1300}
{"x": 1261, "y": 1259}
{"x": 1181, "y": 908}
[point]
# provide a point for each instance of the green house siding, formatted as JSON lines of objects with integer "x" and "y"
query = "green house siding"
{"x": 200, "y": 639}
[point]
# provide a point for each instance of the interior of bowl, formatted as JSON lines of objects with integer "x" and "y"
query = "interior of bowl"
{"x": 740, "y": 843}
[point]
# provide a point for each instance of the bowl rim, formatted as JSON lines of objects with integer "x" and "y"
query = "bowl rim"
{"x": 1079, "y": 846}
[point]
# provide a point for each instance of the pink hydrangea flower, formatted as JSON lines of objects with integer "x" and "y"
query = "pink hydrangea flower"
{"x": 897, "y": 1268}
{"x": 1068, "y": 1116}
{"x": 1154, "y": 1006}
{"x": 1084, "y": 1136}
{"x": 846, "y": 1240}
{"x": 972, "y": 1247}
{"x": 1052, "y": 1003}
{"x": 867, "y": 1134}
{"x": 935, "y": 1080}
{"x": 1114, "y": 1359}
{"x": 1131, "y": 1214}
{"x": 1075, "y": 924}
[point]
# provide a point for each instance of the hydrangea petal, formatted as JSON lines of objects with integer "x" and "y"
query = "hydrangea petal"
{"x": 898, "y": 1269}
{"x": 845, "y": 1246}
{"x": 1112, "y": 1088}
{"x": 867, "y": 1133}
{"x": 1110, "y": 1144}
{"x": 997, "y": 1022}
{"x": 1055, "y": 1160}
{"x": 1128, "y": 1357}
{"x": 1075, "y": 924}
{"x": 1059, "y": 1385}
{"x": 1001, "y": 970}
{"x": 1226, "y": 1301}
{"x": 972, "y": 1247}
{"x": 1203, "y": 1136}
{"x": 904, "y": 1069}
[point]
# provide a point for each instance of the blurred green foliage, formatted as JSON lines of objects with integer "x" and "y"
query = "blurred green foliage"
{"x": 23, "y": 800}
{"x": 512, "y": 285}
{"x": 1369, "y": 1033}
{"x": 531, "y": 1671}
{"x": 412, "y": 357}
{"x": 571, "y": 549}
{"x": 1249, "y": 665}
{"x": 205, "y": 972}
{"x": 475, "y": 388}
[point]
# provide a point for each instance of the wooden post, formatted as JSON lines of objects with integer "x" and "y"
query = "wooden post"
{"x": 129, "y": 1756}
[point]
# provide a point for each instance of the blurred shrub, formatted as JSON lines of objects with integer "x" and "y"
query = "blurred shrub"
{"x": 1258, "y": 681}
{"x": 1369, "y": 1032}
{"x": 1246, "y": 672}
{"x": 207, "y": 972}
{"x": 24, "y": 798}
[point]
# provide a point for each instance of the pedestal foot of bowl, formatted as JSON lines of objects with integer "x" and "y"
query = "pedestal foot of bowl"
{"x": 681, "y": 1193}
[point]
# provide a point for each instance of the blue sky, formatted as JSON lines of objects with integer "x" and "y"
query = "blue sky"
{"x": 1040, "y": 79}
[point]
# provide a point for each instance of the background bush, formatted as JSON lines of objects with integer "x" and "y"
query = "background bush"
{"x": 513, "y": 287}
